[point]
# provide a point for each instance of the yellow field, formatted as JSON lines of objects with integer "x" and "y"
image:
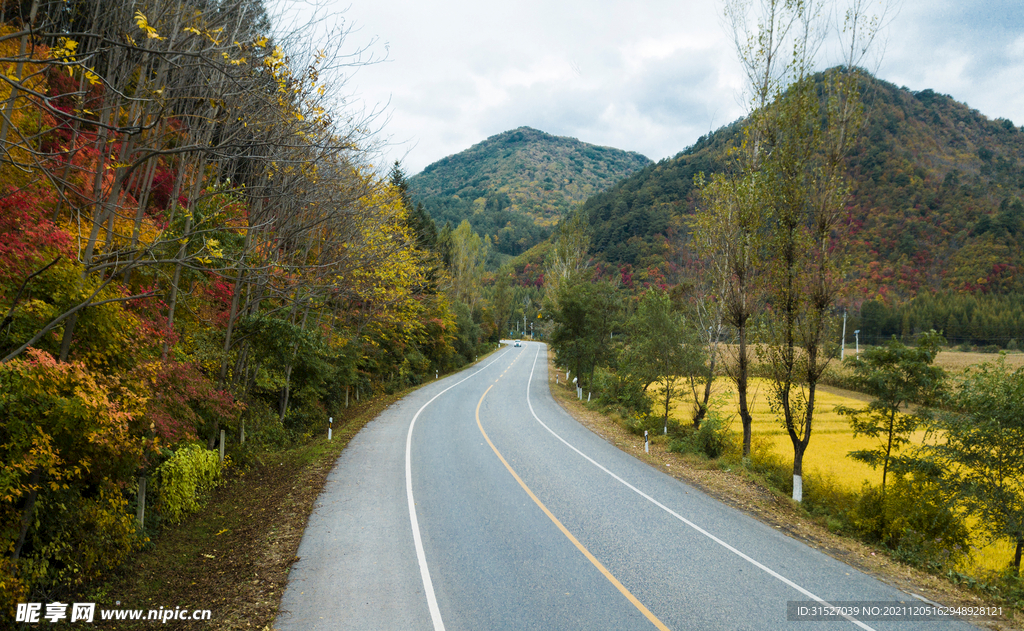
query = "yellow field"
{"x": 831, "y": 441}
{"x": 955, "y": 361}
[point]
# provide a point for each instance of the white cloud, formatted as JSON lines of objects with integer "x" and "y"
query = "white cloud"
{"x": 647, "y": 76}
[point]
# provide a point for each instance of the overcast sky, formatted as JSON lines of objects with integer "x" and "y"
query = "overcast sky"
{"x": 649, "y": 76}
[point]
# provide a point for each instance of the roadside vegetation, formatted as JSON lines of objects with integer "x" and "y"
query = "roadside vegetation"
{"x": 924, "y": 462}
{"x": 197, "y": 256}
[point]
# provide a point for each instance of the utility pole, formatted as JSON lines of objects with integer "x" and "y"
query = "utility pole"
{"x": 842, "y": 353}
{"x": 856, "y": 336}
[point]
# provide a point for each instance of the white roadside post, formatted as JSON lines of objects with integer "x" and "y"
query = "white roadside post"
{"x": 647, "y": 443}
{"x": 330, "y": 427}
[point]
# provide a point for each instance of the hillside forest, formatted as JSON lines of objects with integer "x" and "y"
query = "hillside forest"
{"x": 932, "y": 226}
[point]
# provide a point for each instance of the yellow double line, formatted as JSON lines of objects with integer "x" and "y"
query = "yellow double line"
{"x": 565, "y": 531}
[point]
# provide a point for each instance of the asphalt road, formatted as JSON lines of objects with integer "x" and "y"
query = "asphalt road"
{"x": 477, "y": 503}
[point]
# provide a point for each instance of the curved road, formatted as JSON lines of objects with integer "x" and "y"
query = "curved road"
{"x": 477, "y": 503}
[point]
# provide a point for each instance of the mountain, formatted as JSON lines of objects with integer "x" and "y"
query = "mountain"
{"x": 517, "y": 185}
{"x": 935, "y": 205}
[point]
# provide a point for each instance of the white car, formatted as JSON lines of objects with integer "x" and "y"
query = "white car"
{"x": 517, "y": 344}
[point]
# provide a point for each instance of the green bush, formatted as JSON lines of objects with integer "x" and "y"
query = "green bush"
{"x": 614, "y": 390}
{"x": 654, "y": 425}
{"x": 263, "y": 427}
{"x": 305, "y": 416}
{"x": 185, "y": 480}
{"x": 914, "y": 521}
{"x": 771, "y": 466}
{"x": 713, "y": 439}
{"x": 829, "y": 497}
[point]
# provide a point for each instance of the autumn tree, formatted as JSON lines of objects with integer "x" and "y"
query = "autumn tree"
{"x": 896, "y": 376}
{"x": 663, "y": 348}
{"x": 568, "y": 259}
{"x": 793, "y": 161}
{"x": 585, "y": 314}
{"x": 468, "y": 258}
{"x": 729, "y": 231}
{"x": 979, "y": 447}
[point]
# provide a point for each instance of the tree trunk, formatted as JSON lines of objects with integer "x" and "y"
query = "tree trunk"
{"x": 1017, "y": 554}
{"x": 30, "y": 506}
{"x": 798, "y": 471}
{"x": 741, "y": 386}
{"x": 8, "y": 114}
{"x": 288, "y": 369}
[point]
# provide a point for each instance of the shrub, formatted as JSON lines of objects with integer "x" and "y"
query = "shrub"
{"x": 770, "y": 465}
{"x": 914, "y": 521}
{"x": 713, "y": 439}
{"x": 263, "y": 427}
{"x": 829, "y": 497}
{"x": 615, "y": 390}
{"x": 185, "y": 480}
{"x": 654, "y": 425}
{"x": 68, "y": 439}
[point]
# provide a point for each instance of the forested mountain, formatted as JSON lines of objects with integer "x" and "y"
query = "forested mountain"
{"x": 935, "y": 203}
{"x": 518, "y": 184}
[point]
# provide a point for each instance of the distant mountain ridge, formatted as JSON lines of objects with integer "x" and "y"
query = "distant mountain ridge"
{"x": 936, "y": 202}
{"x": 515, "y": 186}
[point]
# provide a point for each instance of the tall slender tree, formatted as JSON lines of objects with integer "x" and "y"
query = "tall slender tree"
{"x": 793, "y": 161}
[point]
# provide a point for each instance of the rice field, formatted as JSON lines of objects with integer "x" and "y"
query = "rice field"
{"x": 955, "y": 361}
{"x": 831, "y": 440}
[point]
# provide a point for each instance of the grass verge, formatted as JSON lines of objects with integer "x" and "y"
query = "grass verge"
{"x": 233, "y": 557}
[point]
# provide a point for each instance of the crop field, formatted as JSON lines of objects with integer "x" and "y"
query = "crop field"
{"x": 831, "y": 440}
{"x": 955, "y": 361}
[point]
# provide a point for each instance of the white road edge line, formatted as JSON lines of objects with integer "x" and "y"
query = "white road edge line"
{"x": 421, "y": 557}
{"x": 677, "y": 515}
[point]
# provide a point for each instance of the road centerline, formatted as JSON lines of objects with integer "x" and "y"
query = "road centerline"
{"x": 565, "y": 531}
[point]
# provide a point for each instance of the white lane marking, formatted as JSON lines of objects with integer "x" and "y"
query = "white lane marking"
{"x": 677, "y": 515}
{"x": 421, "y": 557}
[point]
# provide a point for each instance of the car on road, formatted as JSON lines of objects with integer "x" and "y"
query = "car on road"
{"x": 518, "y": 344}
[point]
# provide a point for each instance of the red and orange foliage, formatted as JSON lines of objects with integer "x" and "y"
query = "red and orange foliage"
{"x": 146, "y": 301}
